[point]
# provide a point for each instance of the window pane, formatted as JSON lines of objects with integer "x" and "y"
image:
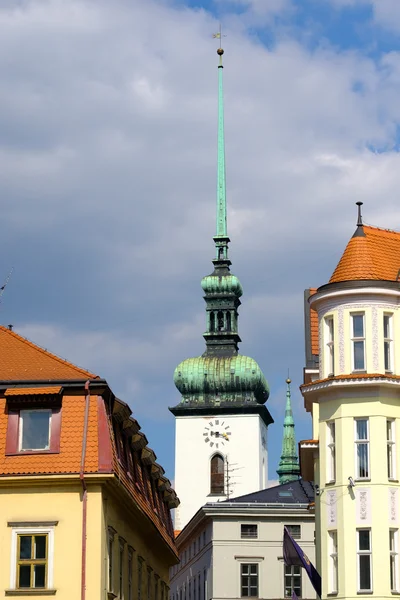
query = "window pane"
{"x": 39, "y": 576}
{"x": 363, "y": 539}
{"x": 358, "y": 326}
{"x": 24, "y": 580}
{"x": 35, "y": 430}
{"x": 386, "y": 327}
{"x": 387, "y": 355}
{"x": 362, "y": 454}
{"x": 365, "y": 572}
{"x": 25, "y": 546}
{"x": 359, "y": 355}
{"x": 362, "y": 429}
{"x": 248, "y": 531}
{"x": 40, "y": 546}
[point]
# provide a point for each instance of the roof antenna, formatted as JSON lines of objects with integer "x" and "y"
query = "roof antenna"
{"x": 3, "y": 287}
{"x": 359, "y": 232}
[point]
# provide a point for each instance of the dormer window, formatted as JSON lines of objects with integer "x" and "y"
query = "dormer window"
{"x": 34, "y": 430}
{"x": 388, "y": 341}
{"x": 358, "y": 341}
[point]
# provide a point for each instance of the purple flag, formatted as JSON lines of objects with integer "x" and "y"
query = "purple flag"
{"x": 294, "y": 555}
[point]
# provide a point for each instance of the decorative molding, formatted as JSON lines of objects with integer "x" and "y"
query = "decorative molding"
{"x": 341, "y": 340}
{"x": 320, "y": 348}
{"x": 32, "y": 523}
{"x": 375, "y": 340}
{"x": 393, "y": 502}
{"x": 331, "y": 505}
{"x": 363, "y": 503}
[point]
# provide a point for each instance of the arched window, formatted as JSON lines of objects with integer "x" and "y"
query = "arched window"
{"x": 212, "y": 321}
{"x": 217, "y": 474}
{"x": 228, "y": 321}
{"x": 220, "y": 320}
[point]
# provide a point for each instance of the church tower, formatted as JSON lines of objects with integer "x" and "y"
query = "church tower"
{"x": 289, "y": 468}
{"x": 221, "y": 420}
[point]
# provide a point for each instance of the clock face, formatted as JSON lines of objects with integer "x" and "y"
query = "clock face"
{"x": 217, "y": 433}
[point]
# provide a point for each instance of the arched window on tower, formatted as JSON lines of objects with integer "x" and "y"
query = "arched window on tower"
{"x": 212, "y": 321}
{"x": 228, "y": 321}
{"x": 220, "y": 320}
{"x": 217, "y": 474}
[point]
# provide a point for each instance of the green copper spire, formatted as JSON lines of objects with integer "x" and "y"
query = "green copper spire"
{"x": 221, "y": 381}
{"x": 289, "y": 468}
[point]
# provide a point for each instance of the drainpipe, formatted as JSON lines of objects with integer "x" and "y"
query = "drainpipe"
{"x": 84, "y": 490}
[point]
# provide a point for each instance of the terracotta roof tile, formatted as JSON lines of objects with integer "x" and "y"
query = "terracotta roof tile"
{"x": 69, "y": 457}
{"x": 23, "y": 360}
{"x": 32, "y": 391}
{"x": 376, "y": 255}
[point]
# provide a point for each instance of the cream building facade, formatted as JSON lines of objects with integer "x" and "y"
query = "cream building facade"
{"x": 233, "y": 549}
{"x": 352, "y": 391}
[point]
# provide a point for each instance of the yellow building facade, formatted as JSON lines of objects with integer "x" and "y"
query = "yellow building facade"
{"x": 85, "y": 507}
{"x": 351, "y": 388}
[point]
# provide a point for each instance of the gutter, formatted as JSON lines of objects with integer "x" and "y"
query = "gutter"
{"x": 84, "y": 490}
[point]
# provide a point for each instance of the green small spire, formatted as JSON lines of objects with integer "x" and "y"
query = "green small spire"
{"x": 289, "y": 468}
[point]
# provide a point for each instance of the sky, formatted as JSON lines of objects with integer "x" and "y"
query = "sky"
{"x": 108, "y": 130}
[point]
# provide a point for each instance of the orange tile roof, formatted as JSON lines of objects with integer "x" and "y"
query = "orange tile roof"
{"x": 314, "y": 327}
{"x": 33, "y": 391}
{"x": 69, "y": 458}
{"x": 376, "y": 255}
{"x": 21, "y": 360}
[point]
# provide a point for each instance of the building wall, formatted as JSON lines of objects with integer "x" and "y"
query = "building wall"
{"x": 53, "y": 502}
{"x": 374, "y": 306}
{"x": 196, "y": 559}
{"x": 226, "y": 551}
{"x": 370, "y": 504}
{"x": 137, "y": 535}
{"x": 246, "y": 453}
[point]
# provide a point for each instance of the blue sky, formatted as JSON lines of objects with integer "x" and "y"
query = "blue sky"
{"x": 108, "y": 168}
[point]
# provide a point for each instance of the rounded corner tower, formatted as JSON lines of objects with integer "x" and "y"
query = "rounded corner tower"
{"x": 223, "y": 393}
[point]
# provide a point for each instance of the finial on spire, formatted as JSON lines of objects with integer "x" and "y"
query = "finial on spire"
{"x": 220, "y": 50}
{"x": 359, "y": 218}
{"x": 359, "y": 232}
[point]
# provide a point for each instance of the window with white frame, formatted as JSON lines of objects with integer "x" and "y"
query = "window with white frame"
{"x": 394, "y": 560}
{"x": 362, "y": 448}
{"x": 110, "y": 548}
{"x": 292, "y": 581}
{"x": 249, "y": 580}
{"x": 391, "y": 448}
{"x": 333, "y": 562}
{"x": 330, "y": 346}
{"x": 364, "y": 560}
{"x": 34, "y": 429}
{"x": 358, "y": 341}
{"x": 388, "y": 341}
{"x": 32, "y": 557}
{"x": 331, "y": 451}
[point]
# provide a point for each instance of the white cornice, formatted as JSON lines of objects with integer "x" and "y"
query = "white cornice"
{"x": 365, "y": 291}
{"x": 361, "y": 381}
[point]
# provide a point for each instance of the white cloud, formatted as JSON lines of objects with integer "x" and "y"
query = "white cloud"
{"x": 108, "y": 151}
